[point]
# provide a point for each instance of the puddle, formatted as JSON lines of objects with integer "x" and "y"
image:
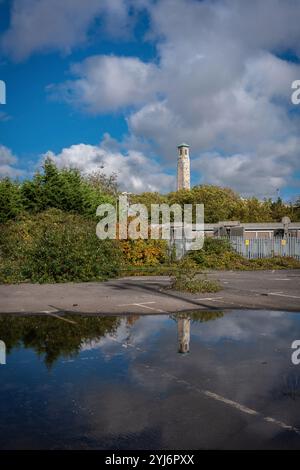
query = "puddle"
{"x": 201, "y": 381}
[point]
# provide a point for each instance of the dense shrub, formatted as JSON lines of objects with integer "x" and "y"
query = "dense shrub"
{"x": 277, "y": 262}
{"x": 215, "y": 254}
{"x": 187, "y": 277}
{"x": 216, "y": 245}
{"x": 145, "y": 252}
{"x": 56, "y": 247}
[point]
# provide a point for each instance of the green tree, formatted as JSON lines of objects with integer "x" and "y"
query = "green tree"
{"x": 147, "y": 199}
{"x": 296, "y": 210}
{"x": 103, "y": 183}
{"x": 10, "y": 199}
{"x": 253, "y": 210}
{"x": 279, "y": 210}
{"x": 63, "y": 189}
{"x": 219, "y": 203}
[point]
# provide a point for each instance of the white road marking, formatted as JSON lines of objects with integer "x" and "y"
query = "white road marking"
{"x": 219, "y": 299}
{"x": 127, "y": 305}
{"x": 250, "y": 411}
{"x": 145, "y": 305}
{"x": 151, "y": 308}
{"x": 61, "y": 318}
{"x": 280, "y": 294}
{"x": 233, "y": 404}
{"x": 212, "y": 299}
{"x": 281, "y": 424}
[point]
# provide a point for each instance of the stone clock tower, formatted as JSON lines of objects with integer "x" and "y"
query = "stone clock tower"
{"x": 183, "y": 167}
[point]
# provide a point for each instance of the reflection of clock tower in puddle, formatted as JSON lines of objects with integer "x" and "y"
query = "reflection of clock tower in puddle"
{"x": 184, "y": 332}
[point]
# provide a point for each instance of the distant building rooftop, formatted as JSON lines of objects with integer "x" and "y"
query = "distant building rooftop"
{"x": 252, "y": 225}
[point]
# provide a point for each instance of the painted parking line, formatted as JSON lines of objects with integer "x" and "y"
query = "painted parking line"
{"x": 144, "y": 305}
{"x": 151, "y": 308}
{"x": 219, "y": 299}
{"x": 61, "y": 318}
{"x": 212, "y": 299}
{"x": 245, "y": 409}
{"x": 127, "y": 305}
{"x": 226, "y": 401}
{"x": 281, "y": 294}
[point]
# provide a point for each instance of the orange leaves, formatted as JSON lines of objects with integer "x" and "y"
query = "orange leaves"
{"x": 144, "y": 252}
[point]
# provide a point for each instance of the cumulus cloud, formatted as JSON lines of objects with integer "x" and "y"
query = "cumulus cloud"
{"x": 221, "y": 82}
{"x": 135, "y": 172}
{"x": 7, "y": 162}
{"x": 261, "y": 173}
{"x": 40, "y": 25}
{"x": 108, "y": 83}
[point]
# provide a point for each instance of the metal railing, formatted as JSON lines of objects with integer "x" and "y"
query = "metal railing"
{"x": 253, "y": 248}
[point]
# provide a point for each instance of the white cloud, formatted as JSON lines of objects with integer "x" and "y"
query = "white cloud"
{"x": 43, "y": 25}
{"x": 135, "y": 172}
{"x": 217, "y": 83}
{"x": 108, "y": 83}
{"x": 7, "y": 162}
{"x": 225, "y": 93}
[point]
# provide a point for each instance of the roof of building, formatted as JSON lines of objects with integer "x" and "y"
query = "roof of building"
{"x": 247, "y": 226}
{"x": 253, "y": 225}
{"x": 183, "y": 145}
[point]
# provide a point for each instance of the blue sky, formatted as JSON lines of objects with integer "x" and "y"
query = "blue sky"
{"x": 119, "y": 83}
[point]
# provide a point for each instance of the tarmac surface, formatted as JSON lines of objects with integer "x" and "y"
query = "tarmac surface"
{"x": 257, "y": 290}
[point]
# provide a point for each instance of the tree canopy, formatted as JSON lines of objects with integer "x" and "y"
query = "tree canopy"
{"x": 70, "y": 191}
